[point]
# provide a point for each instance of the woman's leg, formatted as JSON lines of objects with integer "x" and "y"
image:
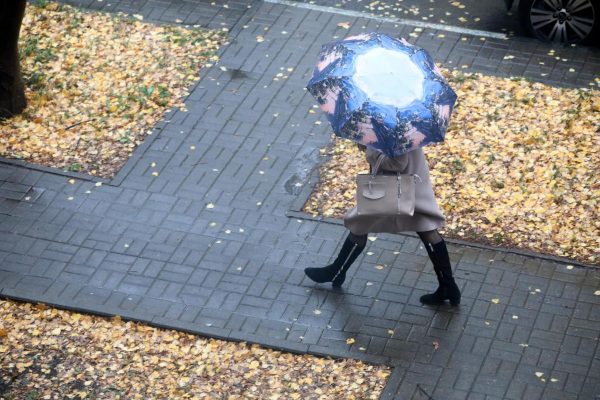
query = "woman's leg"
{"x": 432, "y": 237}
{"x": 336, "y": 272}
{"x": 438, "y": 253}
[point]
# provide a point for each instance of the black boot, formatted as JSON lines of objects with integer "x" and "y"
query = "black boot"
{"x": 336, "y": 272}
{"x": 447, "y": 289}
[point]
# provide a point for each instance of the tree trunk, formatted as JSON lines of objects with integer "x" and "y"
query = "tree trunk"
{"x": 12, "y": 91}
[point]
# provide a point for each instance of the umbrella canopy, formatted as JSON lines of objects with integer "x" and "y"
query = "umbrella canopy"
{"x": 382, "y": 92}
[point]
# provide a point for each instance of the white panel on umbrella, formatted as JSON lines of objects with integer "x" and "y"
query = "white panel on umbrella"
{"x": 388, "y": 77}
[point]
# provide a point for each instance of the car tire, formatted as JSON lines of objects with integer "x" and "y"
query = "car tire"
{"x": 564, "y": 21}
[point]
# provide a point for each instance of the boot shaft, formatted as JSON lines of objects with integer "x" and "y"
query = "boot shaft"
{"x": 438, "y": 253}
{"x": 336, "y": 272}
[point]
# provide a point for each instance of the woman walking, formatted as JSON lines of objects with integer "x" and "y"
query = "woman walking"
{"x": 426, "y": 220}
{"x": 388, "y": 95}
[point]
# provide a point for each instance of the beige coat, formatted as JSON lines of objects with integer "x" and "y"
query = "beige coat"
{"x": 427, "y": 214}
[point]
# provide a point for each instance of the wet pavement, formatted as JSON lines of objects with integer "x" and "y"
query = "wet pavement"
{"x": 210, "y": 245}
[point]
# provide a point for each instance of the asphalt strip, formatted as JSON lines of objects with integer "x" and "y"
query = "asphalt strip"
{"x": 402, "y": 21}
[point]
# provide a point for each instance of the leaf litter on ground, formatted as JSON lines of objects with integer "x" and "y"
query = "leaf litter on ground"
{"x": 519, "y": 167}
{"x": 48, "y": 353}
{"x": 97, "y": 83}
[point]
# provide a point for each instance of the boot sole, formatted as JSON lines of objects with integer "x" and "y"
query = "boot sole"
{"x": 453, "y": 302}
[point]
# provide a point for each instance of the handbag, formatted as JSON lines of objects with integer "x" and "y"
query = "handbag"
{"x": 385, "y": 195}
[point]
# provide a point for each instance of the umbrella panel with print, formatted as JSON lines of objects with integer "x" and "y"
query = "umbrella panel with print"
{"x": 382, "y": 92}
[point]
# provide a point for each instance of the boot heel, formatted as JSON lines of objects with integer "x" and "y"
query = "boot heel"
{"x": 453, "y": 293}
{"x": 339, "y": 280}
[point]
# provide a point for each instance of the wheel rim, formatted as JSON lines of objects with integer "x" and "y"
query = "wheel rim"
{"x": 566, "y": 21}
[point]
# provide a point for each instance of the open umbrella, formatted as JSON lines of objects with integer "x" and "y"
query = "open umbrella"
{"x": 382, "y": 92}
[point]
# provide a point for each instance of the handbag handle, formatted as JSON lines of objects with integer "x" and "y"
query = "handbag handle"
{"x": 378, "y": 164}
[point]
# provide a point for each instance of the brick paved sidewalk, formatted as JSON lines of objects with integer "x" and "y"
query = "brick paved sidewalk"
{"x": 149, "y": 248}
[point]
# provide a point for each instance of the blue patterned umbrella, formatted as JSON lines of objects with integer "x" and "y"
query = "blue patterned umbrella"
{"x": 382, "y": 92}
